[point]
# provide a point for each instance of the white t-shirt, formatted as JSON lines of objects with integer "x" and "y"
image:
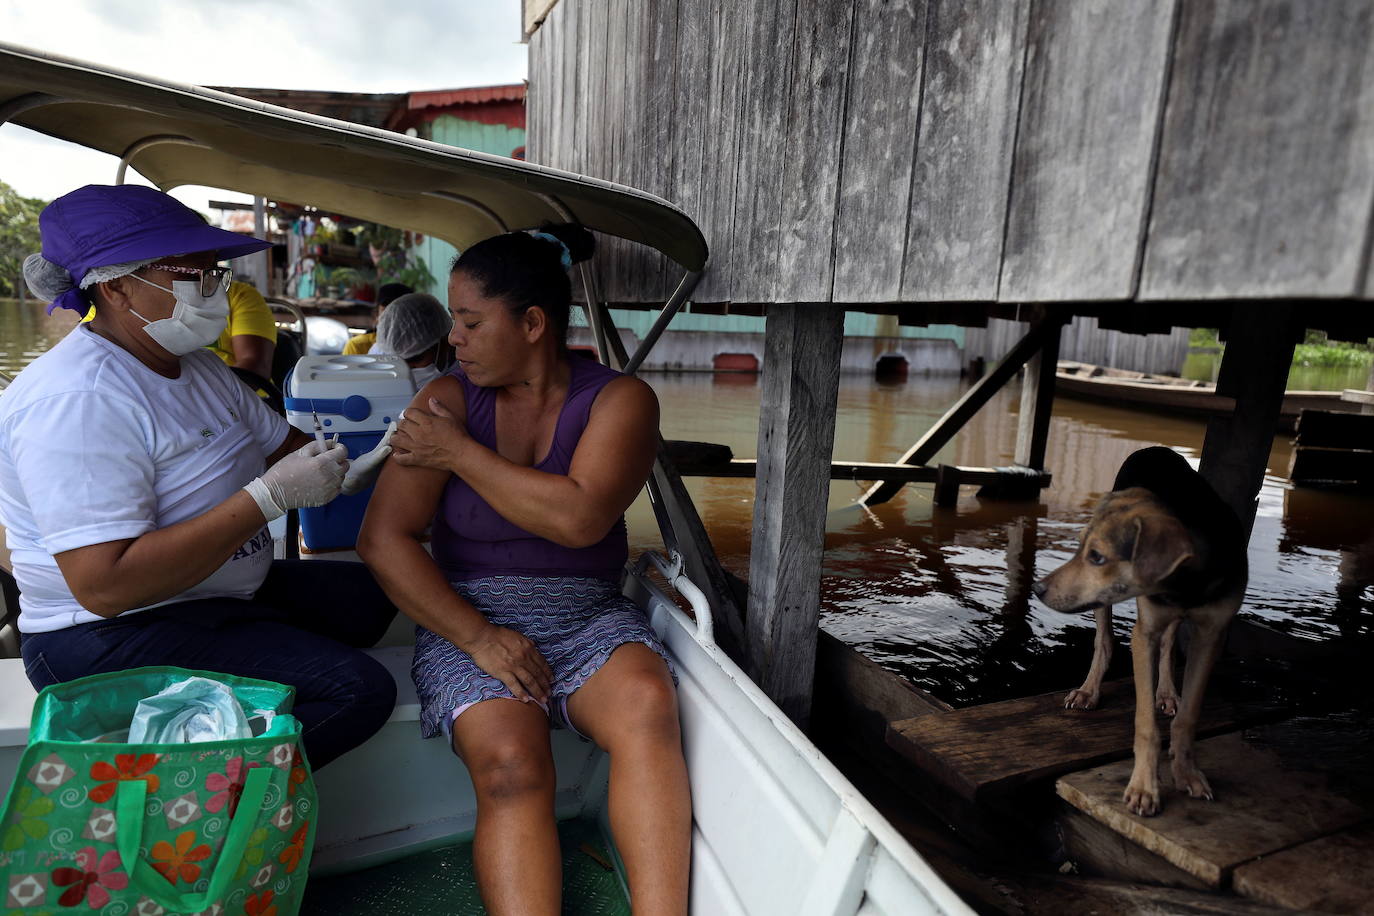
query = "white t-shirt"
{"x": 96, "y": 447}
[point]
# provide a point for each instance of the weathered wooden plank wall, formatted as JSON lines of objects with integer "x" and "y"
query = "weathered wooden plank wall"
{"x": 861, "y": 151}
{"x": 1083, "y": 341}
{"x": 888, "y": 48}
{"x": 974, "y": 54}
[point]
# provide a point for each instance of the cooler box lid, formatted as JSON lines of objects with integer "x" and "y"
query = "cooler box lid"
{"x": 352, "y": 392}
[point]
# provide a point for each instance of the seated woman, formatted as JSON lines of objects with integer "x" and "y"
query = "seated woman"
{"x": 525, "y": 460}
{"x": 138, "y": 475}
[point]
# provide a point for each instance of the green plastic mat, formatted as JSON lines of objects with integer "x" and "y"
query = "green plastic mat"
{"x": 442, "y": 881}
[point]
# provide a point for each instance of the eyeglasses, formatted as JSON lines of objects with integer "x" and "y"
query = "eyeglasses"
{"x": 212, "y": 279}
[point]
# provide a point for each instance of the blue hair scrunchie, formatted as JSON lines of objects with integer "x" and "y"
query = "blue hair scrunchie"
{"x": 564, "y": 255}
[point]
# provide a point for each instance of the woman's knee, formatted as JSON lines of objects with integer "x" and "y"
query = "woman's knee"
{"x": 645, "y": 709}
{"x": 505, "y": 770}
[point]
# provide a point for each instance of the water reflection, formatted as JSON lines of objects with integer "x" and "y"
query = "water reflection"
{"x": 26, "y": 332}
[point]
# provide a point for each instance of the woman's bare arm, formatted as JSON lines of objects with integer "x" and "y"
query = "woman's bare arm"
{"x": 391, "y": 543}
{"x": 612, "y": 460}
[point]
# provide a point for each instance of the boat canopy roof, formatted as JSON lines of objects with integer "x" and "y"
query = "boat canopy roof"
{"x": 188, "y": 135}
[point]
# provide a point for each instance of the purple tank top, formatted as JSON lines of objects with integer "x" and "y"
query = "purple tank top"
{"x": 471, "y": 540}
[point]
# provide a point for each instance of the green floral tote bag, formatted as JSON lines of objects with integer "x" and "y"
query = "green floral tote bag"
{"x": 218, "y": 828}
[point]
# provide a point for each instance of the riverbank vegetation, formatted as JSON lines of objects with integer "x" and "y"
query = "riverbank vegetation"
{"x": 1316, "y": 351}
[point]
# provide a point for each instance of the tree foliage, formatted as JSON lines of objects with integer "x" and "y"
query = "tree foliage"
{"x": 18, "y": 236}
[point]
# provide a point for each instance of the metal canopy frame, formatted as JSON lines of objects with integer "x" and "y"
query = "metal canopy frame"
{"x": 367, "y": 173}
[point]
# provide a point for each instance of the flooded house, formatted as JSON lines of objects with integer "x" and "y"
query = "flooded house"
{"x": 1145, "y": 170}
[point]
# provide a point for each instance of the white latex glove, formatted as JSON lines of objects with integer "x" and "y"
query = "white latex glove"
{"x": 363, "y": 470}
{"x": 309, "y": 476}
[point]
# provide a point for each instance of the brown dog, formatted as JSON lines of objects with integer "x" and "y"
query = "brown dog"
{"x": 1163, "y": 537}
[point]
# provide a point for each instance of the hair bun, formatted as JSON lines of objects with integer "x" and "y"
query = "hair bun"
{"x": 580, "y": 242}
{"x": 46, "y": 279}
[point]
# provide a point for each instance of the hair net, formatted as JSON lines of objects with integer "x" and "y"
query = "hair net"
{"x": 411, "y": 325}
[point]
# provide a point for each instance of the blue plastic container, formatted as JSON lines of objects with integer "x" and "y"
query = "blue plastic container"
{"x": 356, "y": 397}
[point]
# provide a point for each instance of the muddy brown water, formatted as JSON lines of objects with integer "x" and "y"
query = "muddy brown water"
{"x": 941, "y": 596}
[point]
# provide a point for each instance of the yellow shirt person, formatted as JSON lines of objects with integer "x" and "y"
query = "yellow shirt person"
{"x": 249, "y": 317}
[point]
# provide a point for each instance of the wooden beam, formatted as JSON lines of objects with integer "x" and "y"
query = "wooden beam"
{"x": 1037, "y": 402}
{"x": 866, "y": 470}
{"x": 1254, "y": 371}
{"x": 963, "y": 410}
{"x": 801, "y": 378}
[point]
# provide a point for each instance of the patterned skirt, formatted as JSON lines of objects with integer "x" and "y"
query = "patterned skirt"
{"x": 575, "y": 623}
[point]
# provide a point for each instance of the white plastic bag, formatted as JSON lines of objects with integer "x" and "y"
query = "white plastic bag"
{"x": 196, "y": 709}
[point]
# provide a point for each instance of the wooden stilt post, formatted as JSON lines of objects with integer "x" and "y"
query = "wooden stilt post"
{"x": 1033, "y": 424}
{"x": 801, "y": 374}
{"x": 1254, "y": 371}
{"x": 1037, "y": 400}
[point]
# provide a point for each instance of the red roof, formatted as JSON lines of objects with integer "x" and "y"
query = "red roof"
{"x": 442, "y": 98}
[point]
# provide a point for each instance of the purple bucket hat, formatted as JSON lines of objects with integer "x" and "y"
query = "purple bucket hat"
{"x": 100, "y": 225}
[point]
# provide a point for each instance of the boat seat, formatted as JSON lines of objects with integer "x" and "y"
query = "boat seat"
{"x": 17, "y": 694}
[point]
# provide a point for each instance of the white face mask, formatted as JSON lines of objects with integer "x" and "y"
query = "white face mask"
{"x": 423, "y": 375}
{"x": 195, "y": 322}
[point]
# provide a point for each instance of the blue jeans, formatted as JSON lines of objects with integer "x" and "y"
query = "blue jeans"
{"x": 304, "y": 627}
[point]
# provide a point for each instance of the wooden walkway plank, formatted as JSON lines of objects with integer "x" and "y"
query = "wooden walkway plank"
{"x": 985, "y": 751}
{"x": 1080, "y": 185}
{"x": 1329, "y": 875}
{"x": 1263, "y": 804}
{"x": 1262, "y": 93}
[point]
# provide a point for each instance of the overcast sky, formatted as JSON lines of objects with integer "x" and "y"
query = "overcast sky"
{"x": 336, "y": 45}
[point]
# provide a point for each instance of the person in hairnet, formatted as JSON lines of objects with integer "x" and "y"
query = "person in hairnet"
{"x": 387, "y": 293}
{"x": 138, "y": 475}
{"x": 415, "y": 327}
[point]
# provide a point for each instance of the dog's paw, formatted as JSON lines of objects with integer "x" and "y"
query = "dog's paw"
{"x": 1166, "y": 702}
{"x": 1142, "y": 797}
{"x": 1078, "y": 698}
{"x": 1188, "y": 778}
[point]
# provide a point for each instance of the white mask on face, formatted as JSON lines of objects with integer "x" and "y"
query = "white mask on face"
{"x": 423, "y": 375}
{"x": 195, "y": 322}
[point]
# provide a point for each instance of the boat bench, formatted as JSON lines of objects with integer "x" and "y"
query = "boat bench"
{"x": 17, "y": 696}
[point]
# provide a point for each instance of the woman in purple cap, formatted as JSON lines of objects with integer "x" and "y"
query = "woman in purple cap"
{"x": 138, "y": 475}
{"x": 526, "y": 459}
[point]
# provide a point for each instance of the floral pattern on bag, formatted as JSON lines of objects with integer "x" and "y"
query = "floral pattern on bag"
{"x": 260, "y": 905}
{"x": 291, "y": 855}
{"x": 125, "y": 767}
{"x": 61, "y": 826}
{"x": 92, "y": 880}
{"x": 228, "y": 786}
{"x": 27, "y": 822}
{"x": 173, "y": 862}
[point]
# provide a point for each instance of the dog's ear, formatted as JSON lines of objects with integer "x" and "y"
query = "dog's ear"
{"x": 1161, "y": 546}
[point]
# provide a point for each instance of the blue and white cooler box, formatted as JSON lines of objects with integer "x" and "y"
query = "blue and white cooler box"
{"x": 356, "y": 397}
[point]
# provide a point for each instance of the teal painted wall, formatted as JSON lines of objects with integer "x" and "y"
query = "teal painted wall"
{"x": 485, "y": 138}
